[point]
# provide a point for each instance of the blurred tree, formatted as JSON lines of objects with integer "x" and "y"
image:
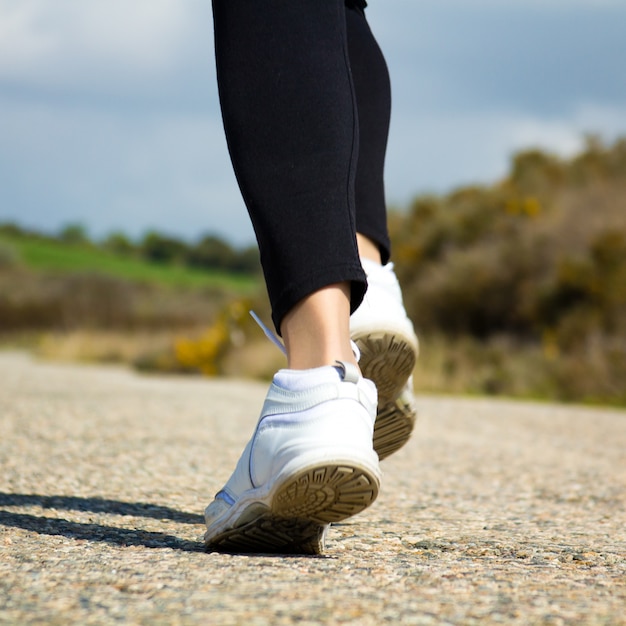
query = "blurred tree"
{"x": 119, "y": 243}
{"x": 11, "y": 229}
{"x": 73, "y": 233}
{"x": 162, "y": 249}
{"x": 534, "y": 171}
{"x": 211, "y": 252}
{"x": 247, "y": 261}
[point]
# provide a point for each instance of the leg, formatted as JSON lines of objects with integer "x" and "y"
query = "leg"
{"x": 290, "y": 118}
{"x": 289, "y": 112}
{"x": 373, "y": 94}
{"x": 317, "y": 330}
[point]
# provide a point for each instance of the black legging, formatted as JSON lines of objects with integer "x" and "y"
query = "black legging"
{"x": 305, "y": 94}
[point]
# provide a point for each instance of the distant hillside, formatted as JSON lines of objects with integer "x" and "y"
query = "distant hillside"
{"x": 156, "y": 258}
{"x": 516, "y": 288}
{"x": 54, "y": 256}
{"x": 68, "y": 297}
{"x": 531, "y": 267}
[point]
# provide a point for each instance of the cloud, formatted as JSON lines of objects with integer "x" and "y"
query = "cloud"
{"x": 109, "y": 112}
{"x": 545, "y": 57}
{"x": 438, "y": 152}
{"x": 21, "y": 46}
{"x": 111, "y": 45}
{"x": 113, "y": 172}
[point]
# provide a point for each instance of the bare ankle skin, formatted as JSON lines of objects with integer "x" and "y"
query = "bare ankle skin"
{"x": 316, "y": 331}
{"x": 368, "y": 249}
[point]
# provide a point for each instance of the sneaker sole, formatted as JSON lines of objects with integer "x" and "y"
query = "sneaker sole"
{"x": 388, "y": 359}
{"x": 393, "y": 427}
{"x": 299, "y": 509}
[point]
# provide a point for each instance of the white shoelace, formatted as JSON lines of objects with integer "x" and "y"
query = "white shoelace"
{"x": 271, "y": 335}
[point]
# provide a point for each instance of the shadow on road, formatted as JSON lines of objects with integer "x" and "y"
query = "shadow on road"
{"x": 98, "y": 532}
{"x": 100, "y": 505}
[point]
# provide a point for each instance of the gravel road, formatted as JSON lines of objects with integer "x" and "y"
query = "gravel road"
{"x": 496, "y": 512}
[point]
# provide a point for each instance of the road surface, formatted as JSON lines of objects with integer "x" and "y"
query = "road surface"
{"x": 496, "y": 512}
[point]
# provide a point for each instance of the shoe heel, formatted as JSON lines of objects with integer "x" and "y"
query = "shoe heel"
{"x": 326, "y": 493}
{"x": 394, "y": 425}
{"x": 389, "y": 360}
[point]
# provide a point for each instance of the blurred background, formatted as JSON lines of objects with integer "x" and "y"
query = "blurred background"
{"x": 124, "y": 237}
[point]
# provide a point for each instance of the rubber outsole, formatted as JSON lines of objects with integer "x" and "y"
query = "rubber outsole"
{"x": 299, "y": 510}
{"x": 268, "y": 534}
{"x": 394, "y": 424}
{"x": 388, "y": 360}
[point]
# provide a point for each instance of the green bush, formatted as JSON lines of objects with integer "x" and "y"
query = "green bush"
{"x": 540, "y": 254}
{"x": 163, "y": 249}
{"x": 211, "y": 252}
{"x": 74, "y": 234}
{"x": 118, "y": 243}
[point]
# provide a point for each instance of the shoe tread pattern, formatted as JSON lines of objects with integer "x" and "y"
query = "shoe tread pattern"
{"x": 300, "y": 509}
{"x": 328, "y": 493}
{"x": 269, "y": 534}
{"x": 393, "y": 427}
{"x": 388, "y": 360}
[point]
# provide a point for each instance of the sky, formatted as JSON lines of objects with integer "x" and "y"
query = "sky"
{"x": 109, "y": 115}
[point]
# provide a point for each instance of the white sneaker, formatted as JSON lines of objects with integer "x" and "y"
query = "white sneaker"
{"x": 389, "y": 347}
{"x": 310, "y": 462}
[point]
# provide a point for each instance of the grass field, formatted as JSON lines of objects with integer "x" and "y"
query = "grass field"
{"x": 52, "y": 256}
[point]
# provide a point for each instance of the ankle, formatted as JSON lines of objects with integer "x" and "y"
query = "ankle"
{"x": 317, "y": 330}
{"x": 368, "y": 249}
